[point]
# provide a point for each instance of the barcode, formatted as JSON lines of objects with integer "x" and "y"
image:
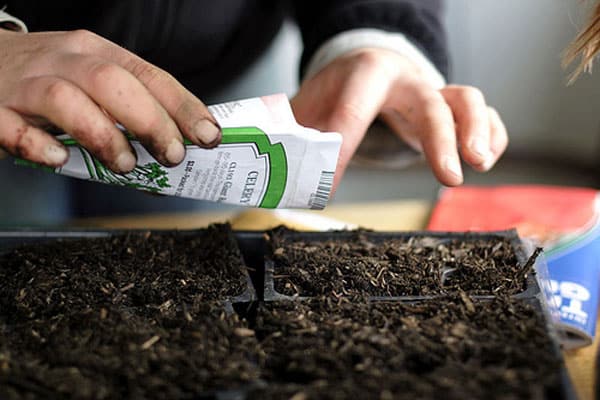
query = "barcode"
{"x": 318, "y": 200}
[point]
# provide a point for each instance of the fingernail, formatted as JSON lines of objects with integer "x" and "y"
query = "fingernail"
{"x": 206, "y": 132}
{"x": 55, "y": 155}
{"x": 452, "y": 165}
{"x": 479, "y": 147}
{"x": 126, "y": 161}
{"x": 217, "y": 141}
{"x": 175, "y": 152}
{"x": 488, "y": 163}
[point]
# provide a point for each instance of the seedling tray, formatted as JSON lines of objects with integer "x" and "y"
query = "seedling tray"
{"x": 435, "y": 348}
{"x": 198, "y": 337}
{"x": 10, "y": 240}
{"x": 356, "y": 263}
{"x": 269, "y": 374}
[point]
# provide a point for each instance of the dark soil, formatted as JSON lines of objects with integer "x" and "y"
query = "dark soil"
{"x": 120, "y": 354}
{"x": 132, "y": 316}
{"x": 135, "y": 270}
{"x": 455, "y": 348}
{"x": 144, "y": 316}
{"x": 360, "y": 264}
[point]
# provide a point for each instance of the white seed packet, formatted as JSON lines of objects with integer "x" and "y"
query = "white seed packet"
{"x": 266, "y": 159}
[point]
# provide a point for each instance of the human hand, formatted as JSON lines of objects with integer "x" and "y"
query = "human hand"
{"x": 447, "y": 124}
{"x": 83, "y": 84}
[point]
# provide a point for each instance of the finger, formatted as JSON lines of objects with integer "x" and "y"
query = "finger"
{"x": 126, "y": 100}
{"x": 69, "y": 108}
{"x": 188, "y": 112}
{"x": 499, "y": 136}
{"x": 472, "y": 124}
{"x": 22, "y": 140}
{"x": 190, "y": 115}
{"x": 431, "y": 118}
{"x": 402, "y": 128}
{"x": 351, "y": 115}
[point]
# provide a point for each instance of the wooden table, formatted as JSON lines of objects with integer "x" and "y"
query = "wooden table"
{"x": 384, "y": 216}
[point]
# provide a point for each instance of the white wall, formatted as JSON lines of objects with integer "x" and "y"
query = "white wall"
{"x": 511, "y": 50}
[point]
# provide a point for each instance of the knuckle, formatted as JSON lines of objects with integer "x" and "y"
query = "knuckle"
{"x": 24, "y": 142}
{"x": 369, "y": 59}
{"x": 100, "y": 73}
{"x": 471, "y": 94}
{"x": 81, "y": 39}
{"x": 154, "y": 123}
{"x": 146, "y": 72}
{"x": 58, "y": 92}
{"x": 429, "y": 96}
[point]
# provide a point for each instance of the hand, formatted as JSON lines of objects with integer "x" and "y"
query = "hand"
{"x": 350, "y": 92}
{"x": 82, "y": 83}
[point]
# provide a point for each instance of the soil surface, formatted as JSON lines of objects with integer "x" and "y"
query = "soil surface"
{"x": 361, "y": 264}
{"x": 455, "y": 348}
{"x": 143, "y": 316}
{"x": 134, "y": 316}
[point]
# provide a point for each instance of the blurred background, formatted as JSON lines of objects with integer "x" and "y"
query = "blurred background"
{"x": 511, "y": 50}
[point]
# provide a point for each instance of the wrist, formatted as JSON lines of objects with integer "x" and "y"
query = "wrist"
{"x": 353, "y": 40}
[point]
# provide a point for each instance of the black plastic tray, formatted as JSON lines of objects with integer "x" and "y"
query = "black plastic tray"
{"x": 254, "y": 249}
{"x": 532, "y": 285}
{"x": 561, "y": 389}
{"x": 10, "y": 239}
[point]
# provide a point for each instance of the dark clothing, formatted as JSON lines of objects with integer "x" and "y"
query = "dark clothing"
{"x": 205, "y": 43}
{"x": 419, "y": 20}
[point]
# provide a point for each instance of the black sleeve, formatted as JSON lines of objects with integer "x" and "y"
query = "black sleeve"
{"x": 419, "y": 20}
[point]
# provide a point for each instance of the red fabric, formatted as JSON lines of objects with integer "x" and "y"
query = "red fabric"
{"x": 533, "y": 210}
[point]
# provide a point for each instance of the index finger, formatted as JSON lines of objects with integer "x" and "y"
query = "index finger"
{"x": 190, "y": 115}
{"x": 473, "y": 127}
{"x": 427, "y": 111}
